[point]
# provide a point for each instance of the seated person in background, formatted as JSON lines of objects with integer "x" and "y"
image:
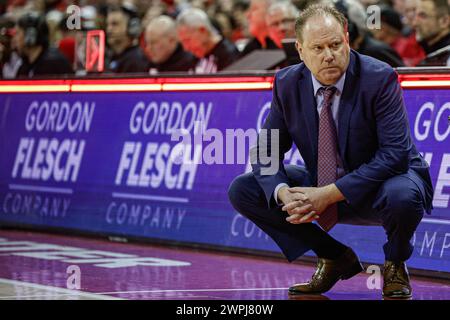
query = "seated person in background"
{"x": 360, "y": 38}
{"x": 432, "y": 26}
{"x": 10, "y": 60}
{"x": 198, "y": 36}
{"x": 31, "y": 40}
{"x": 390, "y": 32}
{"x": 165, "y": 52}
{"x": 280, "y": 19}
{"x": 123, "y": 29}
{"x": 257, "y": 25}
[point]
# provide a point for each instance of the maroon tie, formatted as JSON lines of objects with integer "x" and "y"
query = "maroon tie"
{"x": 327, "y": 157}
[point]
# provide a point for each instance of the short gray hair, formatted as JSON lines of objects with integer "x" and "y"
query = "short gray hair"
{"x": 318, "y": 10}
{"x": 284, "y": 5}
{"x": 194, "y": 17}
{"x": 164, "y": 23}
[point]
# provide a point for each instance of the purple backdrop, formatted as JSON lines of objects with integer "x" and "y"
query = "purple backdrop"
{"x": 105, "y": 162}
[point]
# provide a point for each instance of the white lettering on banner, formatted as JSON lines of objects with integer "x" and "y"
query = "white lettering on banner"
{"x": 137, "y": 215}
{"x": 165, "y": 118}
{"x": 244, "y": 227}
{"x": 442, "y": 200}
{"x": 48, "y": 159}
{"x": 74, "y": 255}
{"x": 424, "y": 122}
{"x": 428, "y": 243}
{"x": 431, "y": 243}
{"x": 44, "y": 159}
{"x": 57, "y": 116}
{"x": 157, "y": 165}
{"x": 34, "y": 204}
{"x": 446, "y": 245}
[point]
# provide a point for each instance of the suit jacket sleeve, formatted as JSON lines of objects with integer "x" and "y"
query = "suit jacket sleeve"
{"x": 394, "y": 145}
{"x": 273, "y": 142}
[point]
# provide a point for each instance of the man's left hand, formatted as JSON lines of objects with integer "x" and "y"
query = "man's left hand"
{"x": 316, "y": 200}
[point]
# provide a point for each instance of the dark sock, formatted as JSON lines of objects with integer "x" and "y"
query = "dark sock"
{"x": 326, "y": 246}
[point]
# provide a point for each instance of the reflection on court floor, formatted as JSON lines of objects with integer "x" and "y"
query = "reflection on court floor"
{"x": 44, "y": 266}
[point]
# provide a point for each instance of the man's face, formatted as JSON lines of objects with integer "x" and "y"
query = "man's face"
{"x": 18, "y": 41}
{"x": 116, "y": 27}
{"x": 256, "y": 15}
{"x": 193, "y": 40}
{"x": 281, "y": 25}
{"x": 386, "y": 33}
{"x": 324, "y": 48}
{"x": 160, "y": 46}
{"x": 410, "y": 12}
{"x": 428, "y": 23}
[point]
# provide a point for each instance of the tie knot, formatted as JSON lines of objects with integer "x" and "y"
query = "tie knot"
{"x": 328, "y": 92}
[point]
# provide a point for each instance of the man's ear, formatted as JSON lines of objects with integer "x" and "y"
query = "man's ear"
{"x": 347, "y": 37}
{"x": 444, "y": 21}
{"x": 299, "y": 48}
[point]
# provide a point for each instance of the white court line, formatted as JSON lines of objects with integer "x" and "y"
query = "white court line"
{"x": 148, "y": 197}
{"x": 23, "y": 187}
{"x": 436, "y": 221}
{"x": 102, "y": 295}
{"x": 55, "y": 290}
{"x": 191, "y": 290}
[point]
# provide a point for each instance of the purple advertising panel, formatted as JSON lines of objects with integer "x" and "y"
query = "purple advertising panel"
{"x": 158, "y": 165}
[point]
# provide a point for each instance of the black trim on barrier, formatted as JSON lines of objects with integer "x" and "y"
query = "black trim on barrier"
{"x": 220, "y": 74}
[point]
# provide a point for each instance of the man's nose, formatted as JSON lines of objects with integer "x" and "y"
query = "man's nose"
{"x": 328, "y": 55}
{"x": 283, "y": 28}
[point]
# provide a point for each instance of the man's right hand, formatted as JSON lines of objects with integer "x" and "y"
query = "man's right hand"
{"x": 300, "y": 201}
{"x": 285, "y": 196}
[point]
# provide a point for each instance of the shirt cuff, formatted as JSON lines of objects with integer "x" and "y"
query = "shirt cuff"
{"x": 275, "y": 193}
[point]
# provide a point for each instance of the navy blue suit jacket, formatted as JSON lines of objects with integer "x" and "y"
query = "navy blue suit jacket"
{"x": 373, "y": 137}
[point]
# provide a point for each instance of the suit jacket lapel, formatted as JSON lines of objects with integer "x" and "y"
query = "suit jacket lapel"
{"x": 309, "y": 108}
{"x": 347, "y": 103}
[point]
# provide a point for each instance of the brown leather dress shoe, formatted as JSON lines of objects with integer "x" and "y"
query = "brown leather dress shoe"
{"x": 396, "y": 281}
{"x": 328, "y": 272}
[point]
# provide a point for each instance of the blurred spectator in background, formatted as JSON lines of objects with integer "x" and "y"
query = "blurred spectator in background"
{"x": 31, "y": 40}
{"x": 165, "y": 52}
{"x": 432, "y": 25}
{"x": 198, "y": 36}
{"x": 391, "y": 33}
{"x": 240, "y": 31}
{"x": 408, "y": 15}
{"x": 66, "y": 44}
{"x": 10, "y": 61}
{"x": 361, "y": 39}
{"x": 123, "y": 28}
{"x": 280, "y": 19}
{"x": 256, "y": 16}
{"x": 225, "y": 24}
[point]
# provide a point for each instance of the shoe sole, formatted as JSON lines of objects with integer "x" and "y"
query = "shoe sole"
{"x": 397, "y": 297}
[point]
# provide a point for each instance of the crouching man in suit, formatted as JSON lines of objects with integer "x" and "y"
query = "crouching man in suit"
{"x": 345, "y": 113}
